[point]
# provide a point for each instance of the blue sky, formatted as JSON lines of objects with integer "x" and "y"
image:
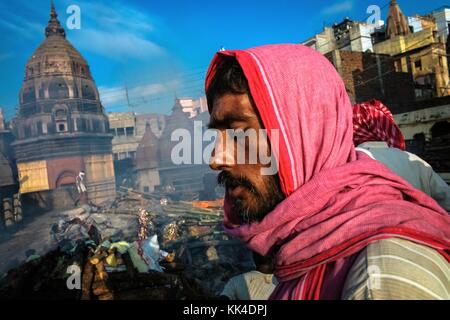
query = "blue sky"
{"x": 159, "y": 49}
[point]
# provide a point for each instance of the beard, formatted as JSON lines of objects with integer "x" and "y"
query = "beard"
{"x": 261, "y": 199}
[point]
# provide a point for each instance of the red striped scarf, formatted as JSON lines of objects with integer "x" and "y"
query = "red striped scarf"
{"x": 372, "y": 121}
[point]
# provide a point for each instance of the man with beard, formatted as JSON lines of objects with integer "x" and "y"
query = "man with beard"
{"x": 339, "y": 224}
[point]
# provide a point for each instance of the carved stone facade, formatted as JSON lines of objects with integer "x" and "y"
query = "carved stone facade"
{"x": 61, "y": 128}
{"x": 397, "y": 24}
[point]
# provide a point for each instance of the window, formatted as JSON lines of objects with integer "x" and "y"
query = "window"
{"x": 130, "y": 131}
{"x": 39, "y": 128}
{"x": 120, "y": 132}
{"x": 418, "y": 64}
{"x": 27, "y": 132}
{"x": 61, "y": 127}
{"x": 87, "y": 91}
{"x": 146, "y": 189}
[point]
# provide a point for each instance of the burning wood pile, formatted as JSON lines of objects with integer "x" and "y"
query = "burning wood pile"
{"x": 141, "y": 246}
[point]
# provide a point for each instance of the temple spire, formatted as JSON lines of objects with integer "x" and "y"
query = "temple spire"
{"x": 54, "y": 26}
{"x": 397, "y": 23}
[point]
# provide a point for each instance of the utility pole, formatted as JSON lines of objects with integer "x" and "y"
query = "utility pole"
{"x": 130, "y": 106}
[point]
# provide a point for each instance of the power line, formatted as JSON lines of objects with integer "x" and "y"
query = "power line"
{"x": 160, "y": 98}
{"x": 145, "y": 100}
{"x": 138, "y": 84}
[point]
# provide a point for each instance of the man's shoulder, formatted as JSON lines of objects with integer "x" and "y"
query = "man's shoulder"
{"x": 398, "y": 269}
{"x": 242, "y": 278}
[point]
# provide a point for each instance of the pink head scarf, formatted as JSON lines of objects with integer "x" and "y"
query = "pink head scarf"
{"x": 337, "y": 201}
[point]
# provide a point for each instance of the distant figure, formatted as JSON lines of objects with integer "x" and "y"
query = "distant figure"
{"x": 81, "y": 187}
{"x": 377, "y": 135}
{"x": 373, "y": 121}
{"x": 254, "y": 285}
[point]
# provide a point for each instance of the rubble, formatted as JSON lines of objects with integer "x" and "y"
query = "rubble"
{"x": 117, "y": 249}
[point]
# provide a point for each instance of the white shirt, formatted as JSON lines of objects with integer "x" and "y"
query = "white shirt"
{"x": 411, "y": 168}
{"x": 252, "y": 285}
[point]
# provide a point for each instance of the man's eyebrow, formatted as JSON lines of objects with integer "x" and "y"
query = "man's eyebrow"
{"x": 227, "y": 119}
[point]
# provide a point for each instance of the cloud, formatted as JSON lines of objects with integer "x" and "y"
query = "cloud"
{"x": 24, "y": 27}
{"x": 117, "y": 30}
{"x": 117, "y": 45}
{"x": 117, "y": 15}
{"x": 338, "y": 7}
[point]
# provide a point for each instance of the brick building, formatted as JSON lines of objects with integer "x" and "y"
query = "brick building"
{"x": 368, "y": 75}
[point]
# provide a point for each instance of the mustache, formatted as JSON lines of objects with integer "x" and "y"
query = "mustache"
{"x": 227, "y": 180}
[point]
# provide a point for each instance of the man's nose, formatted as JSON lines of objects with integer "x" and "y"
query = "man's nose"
{"x": 222, "y": 156}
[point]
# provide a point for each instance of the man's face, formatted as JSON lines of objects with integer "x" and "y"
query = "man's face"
{"x": 253, "y": 194}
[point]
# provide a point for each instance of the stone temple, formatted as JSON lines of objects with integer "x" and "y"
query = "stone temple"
{"x": 61, "y": 128}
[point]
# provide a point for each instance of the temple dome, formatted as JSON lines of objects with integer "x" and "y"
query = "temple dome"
{"x": 57, "y": 71}
{"x": 397, "y": 23}
{"x": 147, "y": 153}
{"x": 58, "y": 98}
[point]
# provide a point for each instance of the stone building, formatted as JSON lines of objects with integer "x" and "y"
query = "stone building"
{"x": 346, "y": 35}
{"x": 122, "y": 125}
{"x": 423, "y": 117}
{"x": 442, "y": 19}
{"x": 423, "y": 53}
{"x": 192, "y": 106}
{"x": 8, "y": 174}
{"x": 147, "y": 162}
{"x": 397, "y": 23}
{"x": 155, "y": 166}
{"x": 61, "y": 128}
{"x": 417, "y": 45}
{"x": 6, "y": 138}
{"x": 142, "y": 147}
{"x": 128, "y": 130}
